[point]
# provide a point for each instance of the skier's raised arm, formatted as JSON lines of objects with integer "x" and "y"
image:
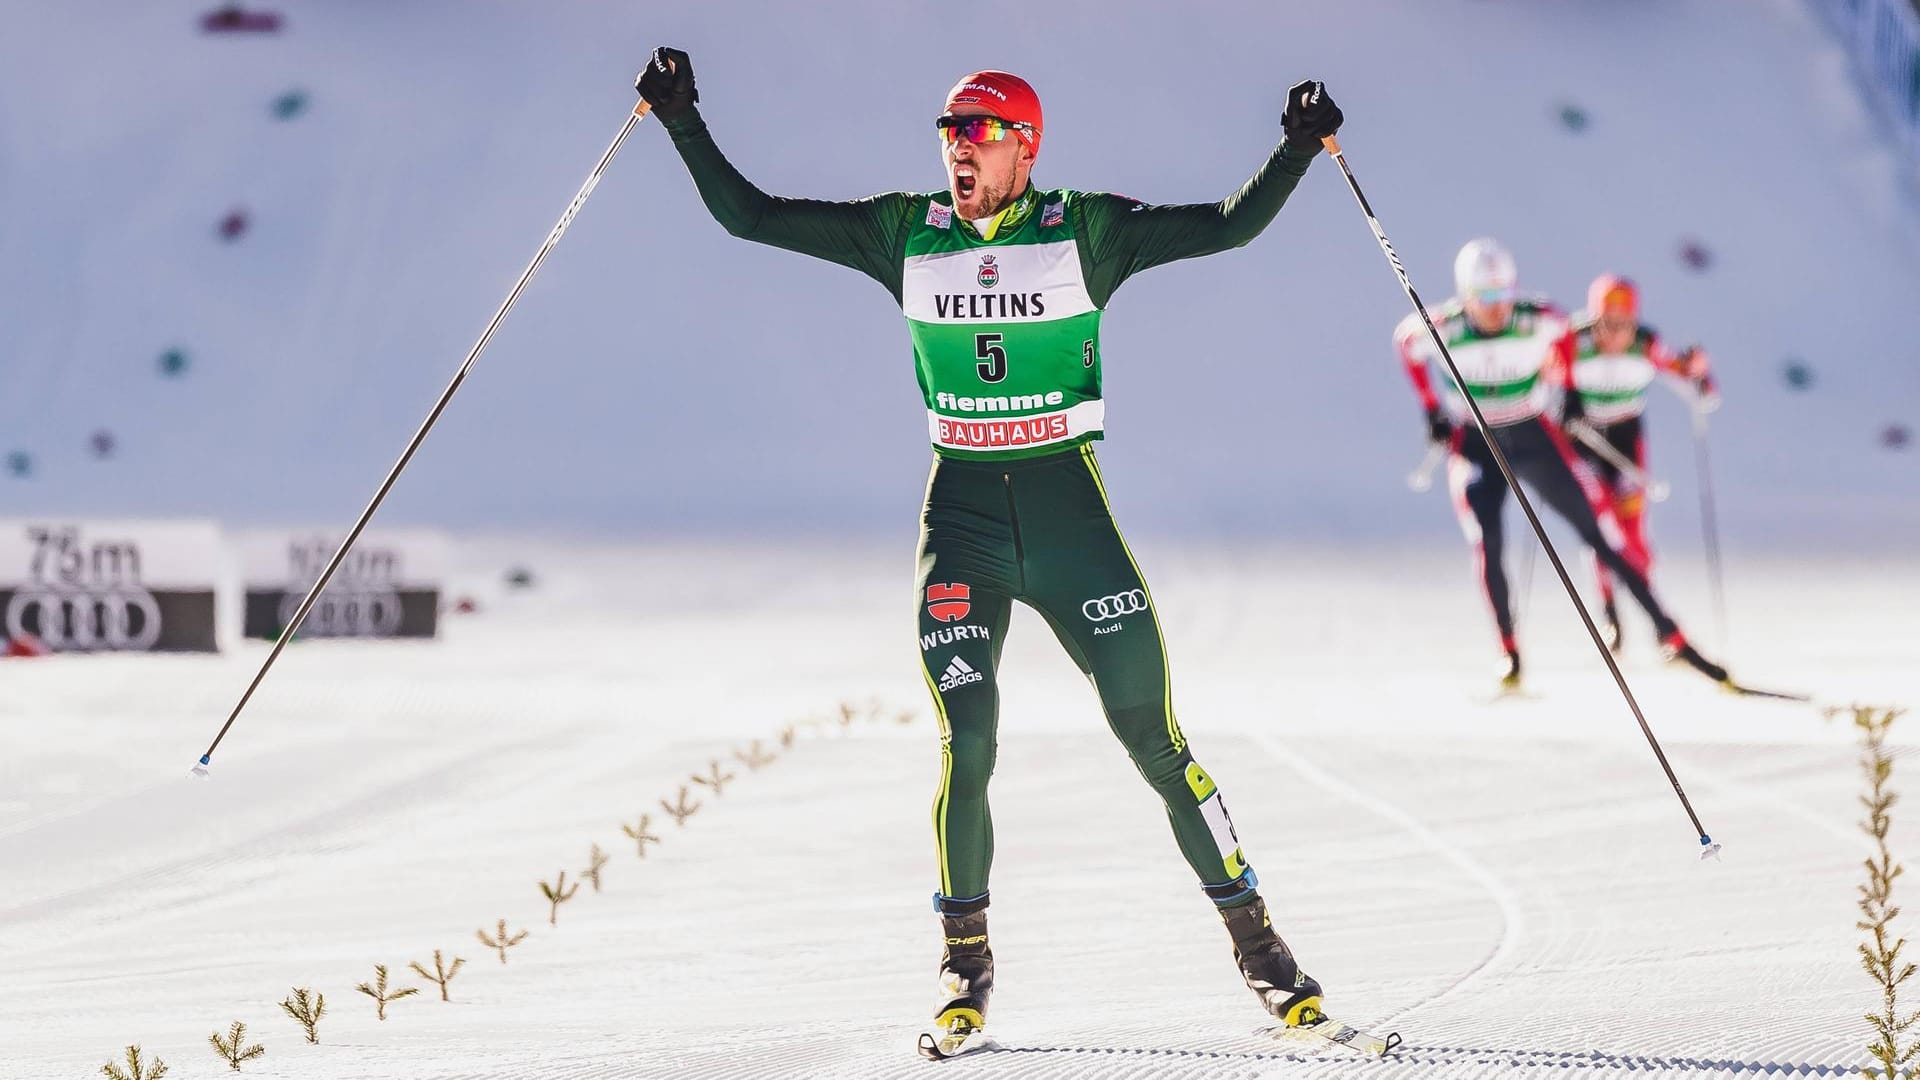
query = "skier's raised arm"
{"x": 1125, "y": 236}
{"x": 864, "y": 234}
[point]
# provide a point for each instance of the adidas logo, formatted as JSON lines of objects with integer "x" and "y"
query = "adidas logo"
{"x": 958, "y": 674}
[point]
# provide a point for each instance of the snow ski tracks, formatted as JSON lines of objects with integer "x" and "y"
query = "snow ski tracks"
{"x": 1511, "y": 919}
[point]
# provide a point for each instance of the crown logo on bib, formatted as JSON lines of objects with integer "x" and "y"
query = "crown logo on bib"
{"x": 989, "y": 275}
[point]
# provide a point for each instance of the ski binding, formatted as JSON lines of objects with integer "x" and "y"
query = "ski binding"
{"x": 941, "y": 1044}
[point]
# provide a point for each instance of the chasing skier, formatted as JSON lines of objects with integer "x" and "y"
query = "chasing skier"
{"x": 1514, "y": 353}
{"x": 1003, "y": 285}
{"x": 1615, "y": 358}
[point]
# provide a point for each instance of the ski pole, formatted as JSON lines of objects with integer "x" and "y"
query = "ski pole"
{"x": 1709, "y": 524}
{"x": 1708, "y": 847}
{"x": 638, "y": 114}
{"x": 1657, "y": 490}
{"x": 1421, "y": 478}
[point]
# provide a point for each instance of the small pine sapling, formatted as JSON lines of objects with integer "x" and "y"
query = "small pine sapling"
{"x": 380, "y": 994}
{"x": 595, "y": 860}
{"x": 307, "y": 1008}
{"x": 639, "y": 834}
{"x": 233, "y": 1046}
{"x": 682, "y": 809}
{"x": 557, "y": 893}
{"x": 716, "y": 778}
{"x": 754, "y": 757}
{"x": 501, "y": 942}
{"x": 441, "y": 974}
{"x": 136, "y": 1069}
{"x": 1880, "y": 953}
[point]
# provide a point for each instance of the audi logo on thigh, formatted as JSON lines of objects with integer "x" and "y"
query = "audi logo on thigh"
{"x": 78, "y": 619}
{"x": 346, "y": 613}
{"x": 1112, "y": 607}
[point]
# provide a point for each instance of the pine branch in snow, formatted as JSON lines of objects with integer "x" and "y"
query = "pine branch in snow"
{"x": 639, "y": 834}
{"x": 136, "y": 1069}
{"x": 595, "y": 860}
{"x": 715, "y": 778}
{"x": 681, "y": 809}
{"x": 501, "y": 942}
{"x": 307, "y": 1008}
{"x": 441, "y": 974}
{"x": 754, "y": 757}
{"x": 380, "y": 994}
{"x": 557, "y": 893}
{"x": 233, "y": 1046}
{"x": 1880, "y": 953}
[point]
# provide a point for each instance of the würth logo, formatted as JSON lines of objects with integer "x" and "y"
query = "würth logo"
{"x": 959, "y": 673}
{"x": 947, "y": 635}
{"x": 949, "y": 603}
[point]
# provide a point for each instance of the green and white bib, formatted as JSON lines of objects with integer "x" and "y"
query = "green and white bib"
{"x": 1612, "y": 386}
{"x": 1006, "y": 338}
{"x": 1509, "y": 374}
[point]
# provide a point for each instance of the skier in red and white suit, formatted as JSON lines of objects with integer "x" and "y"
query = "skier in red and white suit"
{"x": 1615, "y": 357}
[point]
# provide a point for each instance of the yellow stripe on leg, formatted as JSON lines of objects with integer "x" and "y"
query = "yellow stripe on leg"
{"x": 946, "y": 781}
{"x": 1166, "y": 671}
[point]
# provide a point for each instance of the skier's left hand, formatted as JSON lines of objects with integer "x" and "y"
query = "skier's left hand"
{"x": 667, "y": 83}
{"x": 1693, "y": 363}
{"x": 1310, "y": 115}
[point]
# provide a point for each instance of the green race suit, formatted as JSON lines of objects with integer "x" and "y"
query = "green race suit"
{"x": 1006, "y": 343}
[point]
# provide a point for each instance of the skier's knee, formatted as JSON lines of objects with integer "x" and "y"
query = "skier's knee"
{"x": 973, "y": 757}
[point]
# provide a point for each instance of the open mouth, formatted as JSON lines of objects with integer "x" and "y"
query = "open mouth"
{"x": 964, "y": 180}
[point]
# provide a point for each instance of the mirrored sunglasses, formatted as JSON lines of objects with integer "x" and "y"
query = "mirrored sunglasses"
{"x": 977, "y": 129}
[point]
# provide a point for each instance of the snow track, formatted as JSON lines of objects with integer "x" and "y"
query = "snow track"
{"x": 1511, "y": 889}
{"x": 1503, "y": 898}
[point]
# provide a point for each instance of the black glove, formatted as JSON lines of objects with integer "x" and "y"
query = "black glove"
{"x": 1439, "y": 428}
{"x": 667, "y": 83}
{"x": 1310, "y": 115}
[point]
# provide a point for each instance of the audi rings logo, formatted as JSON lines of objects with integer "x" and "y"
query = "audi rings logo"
{"x": 1112, "y": 607}
{"x": 348, "y": 612}
{"x": 81, "y": 619}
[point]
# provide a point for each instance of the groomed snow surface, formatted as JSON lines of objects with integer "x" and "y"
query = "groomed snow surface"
{"x": 1509, "y": 885}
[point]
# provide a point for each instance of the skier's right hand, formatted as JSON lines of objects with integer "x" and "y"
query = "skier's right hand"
{"x": 667, "y": 83}
{"x": 1439, "y": 428}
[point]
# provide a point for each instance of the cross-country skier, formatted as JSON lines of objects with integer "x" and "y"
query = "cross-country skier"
{"x": 1513, "y": 352}
{"x": 1615, "y": 359}
{"x": 1003, "y": 285}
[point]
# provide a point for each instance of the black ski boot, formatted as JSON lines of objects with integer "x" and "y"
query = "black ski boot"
{"x": 1268, "y": 965}
{"x": 1674, "y": 646}
{"x": 966, "y": 969}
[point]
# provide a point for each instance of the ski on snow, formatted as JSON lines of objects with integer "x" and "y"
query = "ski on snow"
{"x": 1754, "y": 691}
{"x": 1338, "y": 1033}
{"x": 939, "y": 1046}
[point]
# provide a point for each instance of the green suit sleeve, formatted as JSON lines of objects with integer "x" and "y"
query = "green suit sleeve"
{"x": 865, "y": 234}
{"x": 1124, "y": 236}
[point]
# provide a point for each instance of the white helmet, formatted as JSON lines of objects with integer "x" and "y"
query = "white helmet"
{"x": 1484, "y": 271}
